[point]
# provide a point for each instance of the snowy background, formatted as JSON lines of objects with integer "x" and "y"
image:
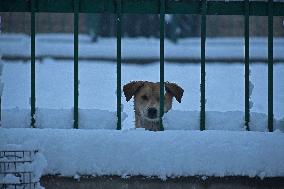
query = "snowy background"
{"x": 61, "y": 46}
{"x": 178, "y": 151}
{"x": 97, "y": 88}
{"x": 97, "y": 98}
{"x": 54, "y": 89}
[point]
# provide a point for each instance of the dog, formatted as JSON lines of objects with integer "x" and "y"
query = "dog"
{"x": 147, "y": 101}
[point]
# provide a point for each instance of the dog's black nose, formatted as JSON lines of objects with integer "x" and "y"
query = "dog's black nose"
{"x": 152, "y": 113}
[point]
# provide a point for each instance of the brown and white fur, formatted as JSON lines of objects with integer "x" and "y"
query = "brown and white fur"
{"x": 147, "y": 101}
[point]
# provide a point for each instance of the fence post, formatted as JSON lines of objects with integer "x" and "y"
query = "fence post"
{"x": 162, "y": 54}
{"x": 247, "y": 71}
{"x": 33, "y": 98}
{"x": 270, "y": 65}
{"x": 203, "y": 74}
{"x": 118, "y": 63}
{"x": 76, "y": 77}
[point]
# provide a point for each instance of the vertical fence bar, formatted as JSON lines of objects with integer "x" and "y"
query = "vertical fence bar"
{"x": 247, "y": 95}
{"x": 270, "y": 65}
{"x": 33, "y": 97}
{"x": 76, "y": 77}
{"x": 118, "y": 59}
{"x": 162, "y": 55}
{"x": 202, "y": 84}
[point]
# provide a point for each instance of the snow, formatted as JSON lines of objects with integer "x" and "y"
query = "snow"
{"x": 10, "y": 178}
{"x": 61, "y": 45}
{"x": 230, "y": 120}
{"x": 21, "y": 164}
{"x": 224, "y": 149}
{"x": 1, "y": 71}
{"x": 60, "y": 118}
{"x": 163, "y": 154}
{"x": 1, "y": 66}
{"x": 104, "y": 119}
{"x": 251, "y": 86}
{"x": 97, "y": 99}
{"x": 1, "y": 88}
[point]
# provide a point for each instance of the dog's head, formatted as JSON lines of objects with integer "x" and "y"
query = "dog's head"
{"x": 147, "y": 97}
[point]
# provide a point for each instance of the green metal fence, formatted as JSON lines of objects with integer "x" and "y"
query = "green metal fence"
{"x": 203, "y": 8}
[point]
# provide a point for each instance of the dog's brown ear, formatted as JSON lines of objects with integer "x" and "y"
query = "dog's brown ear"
{"x": 131, "y": 88}
{"x": 174, "y": 90}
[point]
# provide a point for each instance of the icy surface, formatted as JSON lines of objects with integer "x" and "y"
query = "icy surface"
{"x": 164, "y": 154}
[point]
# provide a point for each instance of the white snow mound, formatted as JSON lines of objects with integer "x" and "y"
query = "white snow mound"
{"x": 163, "y": 154}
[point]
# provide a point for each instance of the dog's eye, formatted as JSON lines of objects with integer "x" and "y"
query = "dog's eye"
{"x": 144, "y": 97}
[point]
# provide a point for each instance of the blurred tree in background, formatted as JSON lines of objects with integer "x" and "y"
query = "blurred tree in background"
{"x": 137, "y": 25}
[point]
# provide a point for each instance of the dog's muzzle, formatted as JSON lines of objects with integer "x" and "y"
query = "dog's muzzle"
{"x": 152, "y": 113}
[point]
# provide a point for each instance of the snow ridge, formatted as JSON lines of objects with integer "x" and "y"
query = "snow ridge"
{"x": 163, "y": 154}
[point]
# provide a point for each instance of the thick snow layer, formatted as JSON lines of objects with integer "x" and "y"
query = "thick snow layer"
{"x": 164, "y": 154}
{"x": 61, "y": 45}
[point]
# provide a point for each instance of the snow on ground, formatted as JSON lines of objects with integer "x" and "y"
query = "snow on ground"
{"x": 163, "y": 154}
{"x": 54, "y": 90}
{"x": 61, "y": 45}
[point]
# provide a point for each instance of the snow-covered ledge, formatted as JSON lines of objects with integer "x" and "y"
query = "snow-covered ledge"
{"x": 163, "y": 154}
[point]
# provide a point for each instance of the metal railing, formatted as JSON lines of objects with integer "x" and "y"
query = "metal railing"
{"x": 245, "y": 8}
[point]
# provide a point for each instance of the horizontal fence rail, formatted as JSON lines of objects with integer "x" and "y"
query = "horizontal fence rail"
{"x": 257, "y": 8}
{"x": 245, "y": 8}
